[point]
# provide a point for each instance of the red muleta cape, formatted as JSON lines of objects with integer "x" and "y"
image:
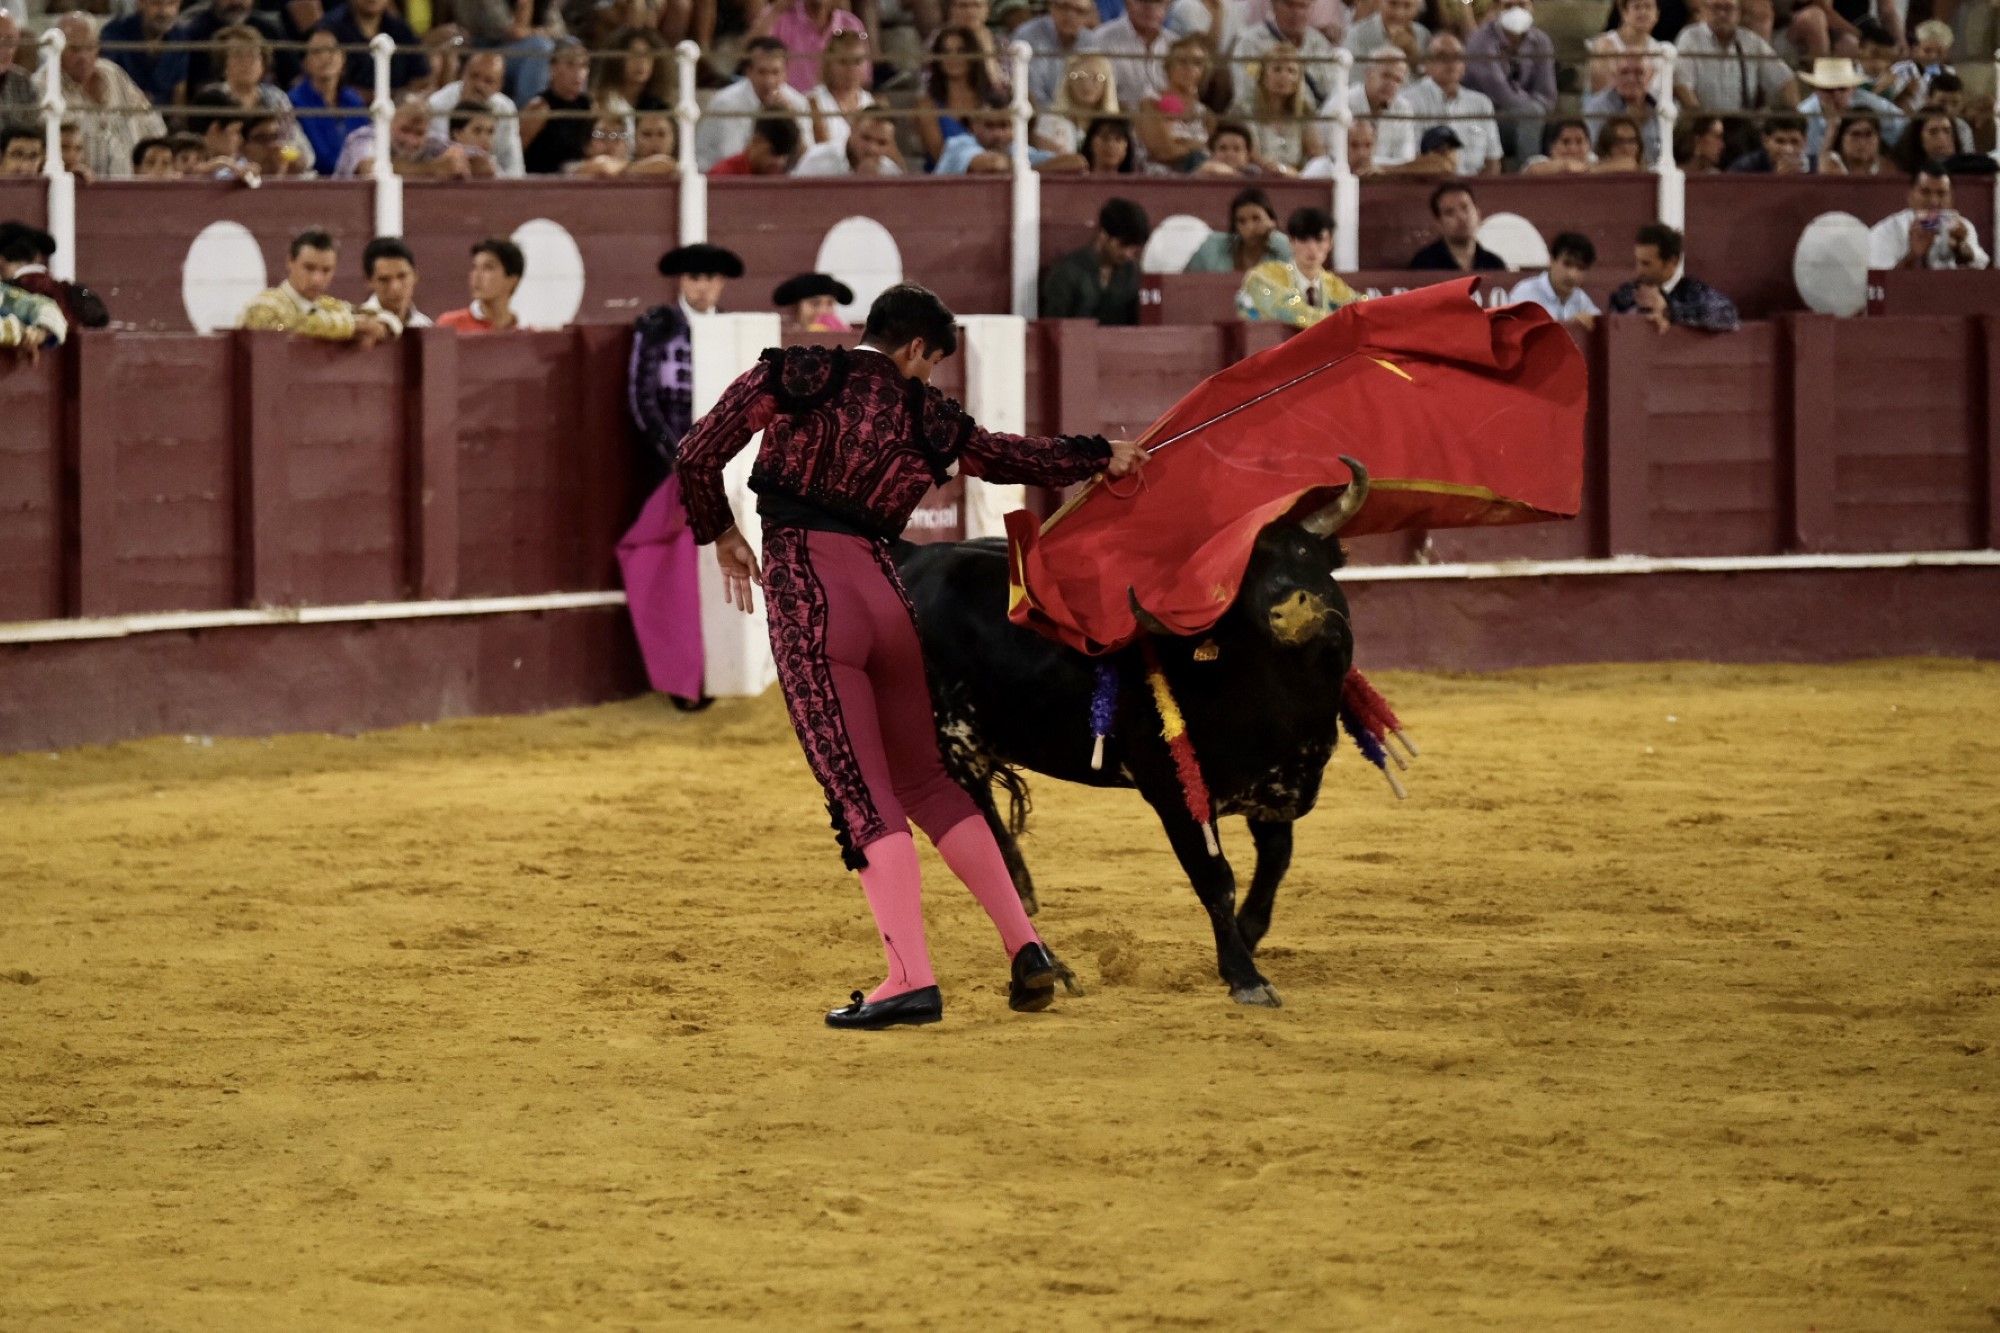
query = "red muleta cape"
{"x": 1464, "y": 416}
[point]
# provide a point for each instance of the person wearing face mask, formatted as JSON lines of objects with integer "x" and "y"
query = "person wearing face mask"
{"x": 1514, "y": 63}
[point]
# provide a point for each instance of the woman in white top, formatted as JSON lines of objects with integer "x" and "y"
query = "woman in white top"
{"x": 1087, "y": 91}
{"x": 1632, "y": 36}
{"x": 840, "y": 95}
{"x": 1283, "y": 137}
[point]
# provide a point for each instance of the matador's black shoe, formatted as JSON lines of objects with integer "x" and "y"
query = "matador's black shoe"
{"x": 923, "y": 1005}
{"x": 1034, "y": 984}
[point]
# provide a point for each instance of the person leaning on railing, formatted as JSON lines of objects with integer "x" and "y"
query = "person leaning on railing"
{"x": 300, "y": 304}
{"x": 1302, "y": 290}
{"x": 29, "y": 322}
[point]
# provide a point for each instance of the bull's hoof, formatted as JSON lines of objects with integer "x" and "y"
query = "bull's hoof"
{"x": 1260, "y": 995}
{"x": 1067, "y": 976}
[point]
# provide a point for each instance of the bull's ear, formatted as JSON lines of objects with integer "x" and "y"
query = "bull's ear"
{"x": 1147, "y": 620}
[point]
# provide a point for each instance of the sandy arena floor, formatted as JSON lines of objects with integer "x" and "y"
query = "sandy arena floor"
{"x": 1669, "y": 1000}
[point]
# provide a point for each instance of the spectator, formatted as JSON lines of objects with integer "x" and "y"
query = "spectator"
{"x": 1856, "y": 149}
{"x": 773, "y": 147}
{"x": 975, "y": 17}
{"x": 634, "y": 77}
{"x": 956, "y": 87}
{"x": 153, "y": 53}
{"x": 810, "y": 303}
{"x": 868, "y": 150}
{"x": 188, "y": 156}
{"x": 444, "y": 46}
{"x": 266, "y": 151}
{"x": 246, "y": 63}
{"x": 1288, "y": 28}
{"x": 804, "y": 27}
{"x": 1173, "y": 124}
{"x": 1300, "y": 291}
{"x": 215, "y": 119}
{"x": 497, "y": 268}
{"x": 654, "y": 146}
{"x": 391, "y": 271}
{"x": 988, "y": 150}
{"x": 19, "y": 102}
{"x": 1560, "y": 290}
{"x": 1783, "y": 147}
{"x": 608, "y": 151}
{"x": 1700, "y": 143}
{"x": 1878, "y": 62}
{"x": 1930, "y": 56}
{"x": 199, "y": 25}
{"x": 1329, "y": 18}
{"x": 301, "y": 305}
{"x": 1457, "y": 248}
{"x": 1229, "y": 151}
{"x": 110, "y": 111}
{"x": 1439, "y": 99}
{"x": 319, "y": 89}
{"x": 415, "y": 150}
{"x": 1109, "y": 148}
{"x": 1101, "y": 281}
{"x": 1662, "y": 291}
{"x": 74, "y": 148}
{"x": 1568, "y": 150}
{"x": 153, "y": 159}
{"x": 1930, "y": 233}
{"x": 1729, "y": 70}
{"x": 522, "y": 32}
{"x": 473, "y": 128}
{"x": 479, "y": 81}
{"x": 1393, "y": 24}
{"x": 20, "y": 152}
{"x": 1817, "y": 25}
{"x": 839, "y": 96}
{"x": 1513, "y": 63}
{"x": 1373, "y": 97}
{"x": 660, "y": 377}
{"x": 1283, "y": 135}
{"x": 1947, "y": 94}
{"x": 1631, "y": 35}
{"x": 550, "y": 143}
{"x": 29, "y": 322}
{"x": 1838, "y": 86}
{"x": 1137, "y": 44}
{"x": 1629, "y": 96}
{"x": 725, "y": 130}
{"x": 1055, "y": 38}
{"x": 1087, "y": 93}
{"x": 355, "y": 24}
{"x": 1621, "y": 146}
{"x": 1929, "y": 136}
{"x": 1253, "y": 238}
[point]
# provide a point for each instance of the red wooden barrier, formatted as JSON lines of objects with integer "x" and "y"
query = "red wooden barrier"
{"x": 1934, "y": 291}
{"x": 1396, "y": 219}
{"x": 25, "y": 200}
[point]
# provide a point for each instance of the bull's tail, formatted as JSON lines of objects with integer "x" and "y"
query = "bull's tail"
{"x": 1018, "y": 804}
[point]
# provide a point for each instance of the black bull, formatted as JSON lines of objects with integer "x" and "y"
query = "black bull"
{"x": 1260, "y": 692}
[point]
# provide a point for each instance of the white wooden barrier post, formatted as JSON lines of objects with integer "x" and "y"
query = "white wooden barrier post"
{"x": 736, "y": 649}
{"x": 1346, "y": 185}
{"x": 62, "y": 185}
{"x": 996, "y": 394}
{"x": 1672, "y": 182}
{"x": 381, "y": 111}
{"x": 1026, "y": 193}
{"x": 693, "y": 220}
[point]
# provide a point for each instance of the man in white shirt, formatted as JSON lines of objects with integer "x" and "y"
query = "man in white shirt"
{"x": 1560, "y": 290}
{"x": 1441, "y": 99}
{"x": 1395, "y": 22}
{"x": 1927, "y": 234}
{"x": 1383, "y": 73}
{"x": 391, "y": 271}
{"x": 1290, "y": 24}
{"x": 724, "y": 128}
{"x": 868, "y": 150}
{"x": 1137, "y": 45}
{"x": 484, "y": 73}
{"x": 1728, "y": 69}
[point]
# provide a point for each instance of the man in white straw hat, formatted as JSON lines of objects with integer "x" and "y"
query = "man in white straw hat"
{"x": 1839, "y": 88}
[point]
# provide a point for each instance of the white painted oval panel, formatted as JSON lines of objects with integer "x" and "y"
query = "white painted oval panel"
{"x": 863, "y": 254}
{"x": 222, "y": 273}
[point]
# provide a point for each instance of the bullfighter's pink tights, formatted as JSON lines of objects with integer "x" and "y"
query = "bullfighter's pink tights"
{"x": 895, "y": 896}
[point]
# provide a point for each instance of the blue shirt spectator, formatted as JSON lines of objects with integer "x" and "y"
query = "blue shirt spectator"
{"x": 994, "y": 135}
{"x": 355, "y": 24}
{"x": 162, "y": 71}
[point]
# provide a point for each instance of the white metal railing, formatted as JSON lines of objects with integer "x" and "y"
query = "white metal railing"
{"x": 1346, "y": 185}
{"x": 1671, "y": 183}
{"x": 1025, "y": 194}
{"x": 62, "y": 184}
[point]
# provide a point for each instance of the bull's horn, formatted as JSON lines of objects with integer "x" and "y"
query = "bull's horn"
{"x": 1147, "y": 620}
{"x": 1331, "y": 519}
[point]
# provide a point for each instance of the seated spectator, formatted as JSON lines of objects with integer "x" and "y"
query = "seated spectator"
{"x": 1229, "y": 152}
{"x": 551, "y": 143}
{"x": 1838, "y": 87}
{"x": 1782, "y": 149}
{"x": 1631, "y": 35}
{"x": 1288, "y": 29}
{"x": 319, "y": 88}
{"x": 1726, "y": 69}
{"x": 524, "y": 36}
{"x": 214, "y": 118}
{"x": 810, "y": 303}
{"x": 1621, "y": 146}
{"x": 1513, "y": 63}
{"x": 1662, "y": 291}
{"x": 1300, "y": 291}
{"x": 1136, "y": 42}
{"x": 1930, "y": 56}
{"x": 21, "y": 151}
{"x": 608, "y": 150}
{"x": 1856, "y": 149}
{"x": 1929, "y": 136}
{"x": 1560, "y": 290}
{"x": 153, "y": 54}
{"x": 1878, "y": 63}
{"x": 474, "y": 127}
{"x": 805, "y": 27}
{"x": 636, "y": 76}
{"x": 1101, "y": 281}
{"x": 497, "y": 268}
{"x": 479, "y": 81}
{"x": 1816, "y": 27}
{"x": 840, "y": 95}
{"x": 415, "y": 150}
{"x": 1173, "y": 124}
{"x": 1284, "y": 137}
{"x": 1930, "y": 233}
{"x": 1439, "y": 99}
{"x": 1700, "y": 143}
{"x": 355, "y": 24}
{"x": 300, "y": 304}
{"x": 1087, "y": 93}
{"x": 391, "y": 271}
{"x": 975, "y": 17}
{"x": 1947, "y": 94}
{"x": 1056, "y": 39}
{"x": 957, "y": 86}
{"x": 201, "y": 22}
{"x": 28, "y": 322}
{"x": 1253, "y": 238}
{"x": 73, "y": 148}
{"x": 267, "y": 151}
{"x": 988, "y": 150}
{"x": 1457, "y": 248}
{"x": 655, "y": 146}
{"x": 188, "y": 155}
{"x": 1568, "y": 150}
{"x": 773, "y": 147}
{"x": 1109, "y": 148}
{"x": 1331, "y": 19}
{"x": 1629, "y": 97}
{"x": 246, "y": 63}
{"x": 868, "y": 150}
{"x": 19, "y": 101}
{"x": 1394, "y": 23}
{"x": 153, "y": 159}
{"x": 1373, "y": 95}
{"x": 109, "y": 110}
{"x": 724, "y": 130}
